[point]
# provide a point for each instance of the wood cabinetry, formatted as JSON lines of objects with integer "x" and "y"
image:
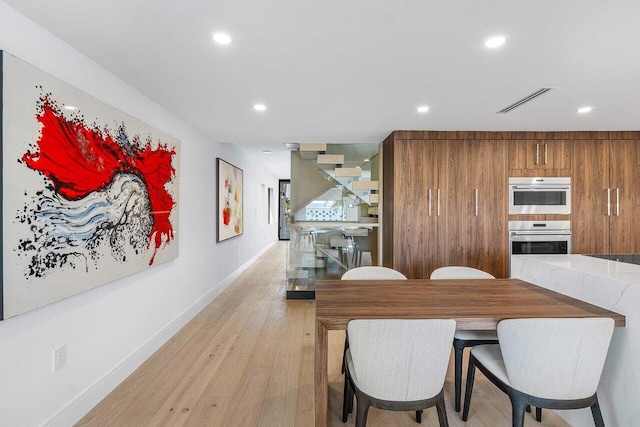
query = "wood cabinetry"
{"x": 488, "y": 182}
{"x": 606, "y": 195}
{"x": 540, "y": 154}
{"x": 444, "y": 199}
{"x": 448, "y": 199}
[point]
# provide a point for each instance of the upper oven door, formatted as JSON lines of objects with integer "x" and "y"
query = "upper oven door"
{"x": 548, "y": 197}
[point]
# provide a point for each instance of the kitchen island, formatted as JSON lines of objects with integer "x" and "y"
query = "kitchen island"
{"x": 611, "y": 285}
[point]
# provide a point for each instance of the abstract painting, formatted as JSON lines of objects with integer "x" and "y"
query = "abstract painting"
{"x": 229, "y": 200}
{"x": 89, "y": 193}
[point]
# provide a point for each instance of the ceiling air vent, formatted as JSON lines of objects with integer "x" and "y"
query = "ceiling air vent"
{"x": 524, "y": 100}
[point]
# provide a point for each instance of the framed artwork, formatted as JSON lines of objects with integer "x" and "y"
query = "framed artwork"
{"x": 89, "y": 193}
{"x": 270, "y": 206}
{"x": 229, "y": 200}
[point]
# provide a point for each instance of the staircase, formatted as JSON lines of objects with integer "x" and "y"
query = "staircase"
{"x": 331, "y": 188}
{"x": 348, "y": 165}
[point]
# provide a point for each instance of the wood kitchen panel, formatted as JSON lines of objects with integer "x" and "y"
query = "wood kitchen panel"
{"x": 413, "y": 239}
{"x": 589, "y": 202}
{"x": 540, "y": 154}
{"x": 624, "y": 180}
{"x": 434, "y": 197}
{"x": 487, "y": 207}
{"x": 606, "y": 195}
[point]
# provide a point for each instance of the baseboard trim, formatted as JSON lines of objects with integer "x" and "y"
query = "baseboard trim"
{"x": 83, "y": 403}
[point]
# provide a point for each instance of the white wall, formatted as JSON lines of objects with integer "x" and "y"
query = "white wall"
{"x": 110, "y": 330}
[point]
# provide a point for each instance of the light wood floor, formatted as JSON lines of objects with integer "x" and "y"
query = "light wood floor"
{"x": 247, "y": 360}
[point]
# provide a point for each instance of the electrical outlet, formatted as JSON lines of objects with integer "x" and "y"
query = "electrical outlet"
{"x": 59, "y": 358}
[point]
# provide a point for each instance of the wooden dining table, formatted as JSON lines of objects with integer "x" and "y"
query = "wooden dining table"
{"x": 477, "y": 304}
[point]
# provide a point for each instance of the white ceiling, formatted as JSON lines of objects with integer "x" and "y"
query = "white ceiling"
{"x": 355, "y": 70}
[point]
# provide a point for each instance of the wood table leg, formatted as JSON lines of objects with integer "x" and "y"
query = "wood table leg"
{"x": 321, "y": 374}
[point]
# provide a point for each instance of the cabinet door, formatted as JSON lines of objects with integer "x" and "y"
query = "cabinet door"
{"x": 486, "y": 210}
{"x": 590, "y": 208}
{"x": 624, "y": 174}
{"x": 555, "y": 154}
{"x": 450, "y": 157}
{"x": 415, "y": 216}
{"x": 540, "y": 154}
{"x": 518, "y": 153}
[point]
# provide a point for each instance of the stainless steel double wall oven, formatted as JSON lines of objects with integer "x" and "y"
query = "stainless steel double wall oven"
{"x": 539, "y": 196}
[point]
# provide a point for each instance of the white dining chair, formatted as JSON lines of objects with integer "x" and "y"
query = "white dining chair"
{"x": 459, "y": 272}
{"x": 546, "y": 363}
{"x": 373, "y": 273}
{"x": 464, "y": 339}
{"x": 397, "y": 365}
{"x": 368, "y": 273}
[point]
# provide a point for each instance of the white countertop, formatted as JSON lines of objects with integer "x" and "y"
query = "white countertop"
{"x": 614, "y": 270}
{"x": 612, "y": 285}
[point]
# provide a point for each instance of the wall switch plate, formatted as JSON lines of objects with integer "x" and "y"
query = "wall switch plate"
{"x": 59, "y": 358}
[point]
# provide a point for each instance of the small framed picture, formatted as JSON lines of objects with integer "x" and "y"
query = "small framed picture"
{"x": 230, "y": 215}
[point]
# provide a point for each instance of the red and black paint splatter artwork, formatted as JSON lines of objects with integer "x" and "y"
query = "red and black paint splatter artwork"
{"x": 101, "y": 190}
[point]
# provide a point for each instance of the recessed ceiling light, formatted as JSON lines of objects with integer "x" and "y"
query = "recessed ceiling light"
{"x": 259, "y": 107}
{"x": 584, "y": 110}
{"x": 221, "y": 38}
{"x": 423, "y": 109}
{"x": 495, "y": 42}
{"x": 70, "y": 107}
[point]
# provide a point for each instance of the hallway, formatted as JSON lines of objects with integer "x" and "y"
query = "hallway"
{"x": 247, "y": 359}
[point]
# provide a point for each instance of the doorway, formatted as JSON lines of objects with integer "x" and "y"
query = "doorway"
{"x": 284, "y": 191}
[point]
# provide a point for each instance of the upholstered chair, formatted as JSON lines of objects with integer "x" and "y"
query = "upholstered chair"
{"x": 363, "y": 244}
{"x": 546, "y": 363}
{"x": 397, "y": 365}
{"x": 464, "y": 339}
{"x": 373, "y": 273}
{"x": 368, "y": 273}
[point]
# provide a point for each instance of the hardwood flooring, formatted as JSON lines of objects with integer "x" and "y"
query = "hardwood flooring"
{"x": 247, "y": 360}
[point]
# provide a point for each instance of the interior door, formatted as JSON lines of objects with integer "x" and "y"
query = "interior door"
{"x": 624, "y": 173}
{"x": 590, "y": 210}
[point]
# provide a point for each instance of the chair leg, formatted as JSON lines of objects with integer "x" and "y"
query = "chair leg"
{"x": 538, "y": 413}
{"x": 345, "y": 399}
{"x": 518, "y": 407}
{"x": 344, "y": 353}
{"x": 458, "y": 346}
{"x": 363, "y": 409}
{"x": 471, "y": 373}
{"x": 419, "y": 416}
{"x": 351, "y": 393}
{"x": 442, "y": 411}
{"x": 597, "y": 415}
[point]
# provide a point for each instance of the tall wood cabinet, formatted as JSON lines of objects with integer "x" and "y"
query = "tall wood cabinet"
{"x": 606, "y": 194}
{"x": 444, "y": 203}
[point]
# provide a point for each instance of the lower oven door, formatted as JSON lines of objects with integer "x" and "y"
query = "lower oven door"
{"x": 522, "y": 242}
